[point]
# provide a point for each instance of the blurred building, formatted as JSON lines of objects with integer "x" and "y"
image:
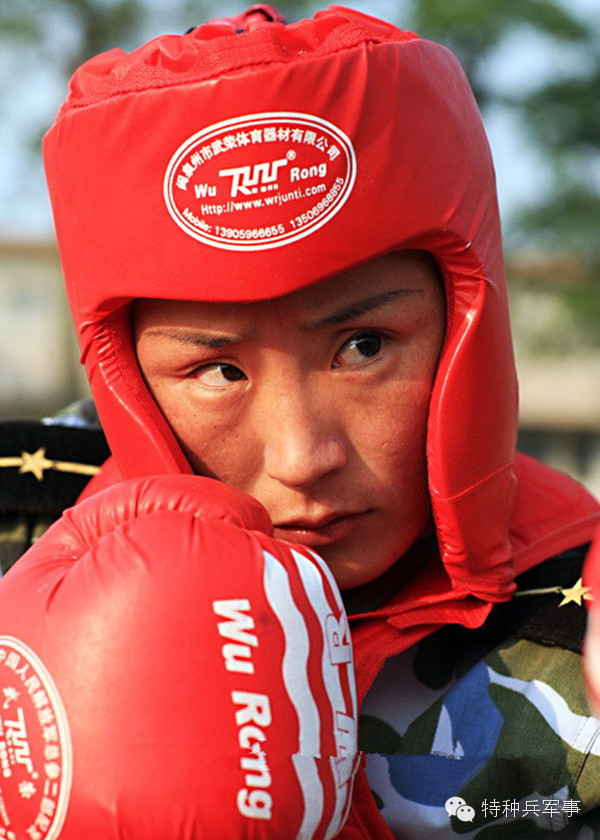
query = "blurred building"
{"x": 39, "y": 369}
{"x": 40, "y": 372}
{"x": 554, "y": 310}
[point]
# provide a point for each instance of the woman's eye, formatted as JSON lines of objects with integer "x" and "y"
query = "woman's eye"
{"x": 358, "y": 348}
{"x": 217, "y": 375}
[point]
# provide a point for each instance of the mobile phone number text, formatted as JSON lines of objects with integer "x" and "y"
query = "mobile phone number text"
{"x": 322, "y": 205}
{"x": 249, "y": 233}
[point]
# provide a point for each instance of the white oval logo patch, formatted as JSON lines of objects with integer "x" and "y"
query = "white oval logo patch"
{"x": 260, "y": 181}
{"x": 35, "y": 747}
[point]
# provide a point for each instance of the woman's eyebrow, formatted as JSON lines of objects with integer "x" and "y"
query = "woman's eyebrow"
{"x": 192, "y": 339}
{"x": 359, "y": 307}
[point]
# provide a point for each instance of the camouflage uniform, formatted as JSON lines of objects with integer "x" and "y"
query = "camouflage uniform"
{"x": 496, "y": 716}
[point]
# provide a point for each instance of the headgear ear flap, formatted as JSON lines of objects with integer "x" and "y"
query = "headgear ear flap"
{"x": 219, "y": 166}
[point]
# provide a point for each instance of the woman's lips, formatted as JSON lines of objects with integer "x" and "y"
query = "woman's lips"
{"x": 318, "y": 533}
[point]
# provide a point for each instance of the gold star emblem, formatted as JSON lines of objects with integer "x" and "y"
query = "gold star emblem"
{"x": 576, "y": 594}
{"x": 35, "y": 462}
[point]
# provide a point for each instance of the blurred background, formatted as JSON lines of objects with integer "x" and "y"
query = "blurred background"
{"x": 535, "y": 68}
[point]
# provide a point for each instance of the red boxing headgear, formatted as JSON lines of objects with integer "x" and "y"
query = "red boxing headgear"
{"x": 226, "y": 166}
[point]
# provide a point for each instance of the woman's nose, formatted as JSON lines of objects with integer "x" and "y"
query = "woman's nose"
{"x": 303, "y": 437}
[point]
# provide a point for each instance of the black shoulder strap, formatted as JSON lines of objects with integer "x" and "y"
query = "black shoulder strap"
{"x": 556, "y": 585}
{"x": 44, "y": 468}
{"x": 548, "y": 606}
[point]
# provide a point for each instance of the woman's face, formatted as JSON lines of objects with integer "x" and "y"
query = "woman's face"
{"x": 315, "y": 403}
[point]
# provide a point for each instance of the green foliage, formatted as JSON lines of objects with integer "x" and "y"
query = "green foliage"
{"x": 473, "y": 29}
{"x": 563, "y": 119}
{"x": 564, "y": 115}
{"x": 17, "y": 25}
{"x": 486, "y": 21}
{"x": 98, "y": 23}
{"x": 565, "y": 221}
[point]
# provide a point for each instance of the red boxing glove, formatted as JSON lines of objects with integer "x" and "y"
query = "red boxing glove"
{"x": 171, "y": 672}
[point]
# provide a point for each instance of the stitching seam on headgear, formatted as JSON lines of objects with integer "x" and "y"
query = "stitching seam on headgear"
{"x": 164, "y": 84}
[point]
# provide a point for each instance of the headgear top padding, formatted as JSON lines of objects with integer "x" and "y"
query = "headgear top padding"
{"x": 224, "y": 166}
